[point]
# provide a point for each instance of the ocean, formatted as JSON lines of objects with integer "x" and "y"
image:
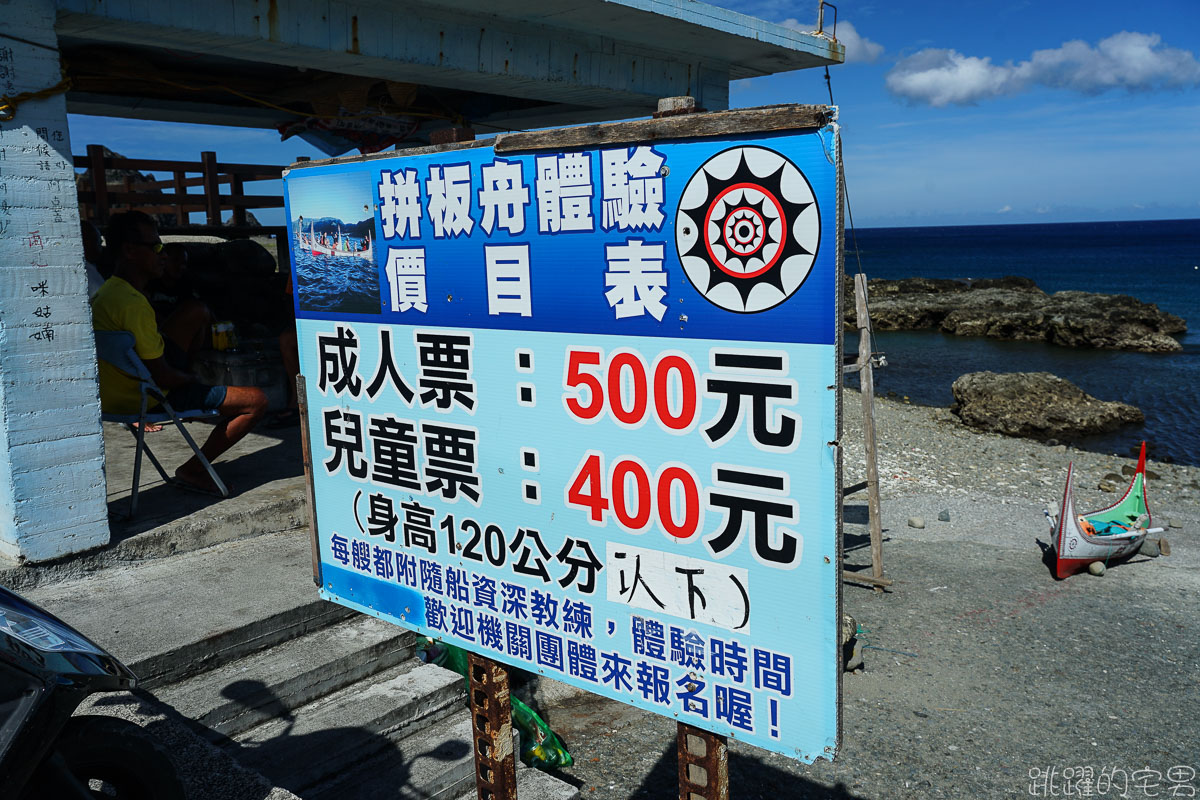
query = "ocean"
{"x": 1157, "y": 262}
{"x": 336, "y": 285}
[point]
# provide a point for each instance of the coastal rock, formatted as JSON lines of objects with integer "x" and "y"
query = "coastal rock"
{"x": 916, "y": 522}
{"x": 1035, "y": 405}
{"x": 1097, "y": 568}
{"x": 1016, "y": 309}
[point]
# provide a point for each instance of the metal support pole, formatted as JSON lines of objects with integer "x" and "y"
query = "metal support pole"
{"x": 491, "y": 721}
{"x": 703, "y": 764}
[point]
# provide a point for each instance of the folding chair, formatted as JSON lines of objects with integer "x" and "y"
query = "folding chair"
{"x": 116, "y": 348}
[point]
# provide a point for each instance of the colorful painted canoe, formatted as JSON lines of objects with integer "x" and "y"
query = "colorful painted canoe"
{"x": 1109, "y": 534}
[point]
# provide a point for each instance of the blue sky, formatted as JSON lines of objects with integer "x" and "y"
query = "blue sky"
{"x": 340, "y": 196}
{"x": 965, "y": 112}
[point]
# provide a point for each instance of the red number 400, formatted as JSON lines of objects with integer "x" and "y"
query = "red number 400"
{"x": 633, "y": 497}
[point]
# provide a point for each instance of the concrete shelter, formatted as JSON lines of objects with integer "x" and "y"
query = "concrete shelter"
{"x": 494, "y": 66}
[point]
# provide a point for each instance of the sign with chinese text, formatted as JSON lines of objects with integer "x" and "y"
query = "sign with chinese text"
{"x": 576, "y": 411}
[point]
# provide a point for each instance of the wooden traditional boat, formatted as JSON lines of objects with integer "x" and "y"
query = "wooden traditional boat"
{"x": 320, "y": 246}
{"x": 1112, "y": 533}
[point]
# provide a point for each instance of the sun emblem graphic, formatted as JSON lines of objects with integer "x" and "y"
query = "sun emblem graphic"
{"x": 748, "y": 229}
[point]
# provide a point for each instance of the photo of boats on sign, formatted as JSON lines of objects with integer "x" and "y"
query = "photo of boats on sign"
{"x": 333, "y": 246}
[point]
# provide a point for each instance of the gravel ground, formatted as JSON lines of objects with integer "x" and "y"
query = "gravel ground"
{"x": 980, "y": 667}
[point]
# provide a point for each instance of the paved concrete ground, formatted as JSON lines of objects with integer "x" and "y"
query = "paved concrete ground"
{"x": 264, "y": 472}
{"x": 262, "y": 469}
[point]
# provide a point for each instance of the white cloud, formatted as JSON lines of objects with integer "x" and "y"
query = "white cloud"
{"x": 1004, "y": 210}
{"x": 1128, "y": 60}
{"x": 859, "y": 49}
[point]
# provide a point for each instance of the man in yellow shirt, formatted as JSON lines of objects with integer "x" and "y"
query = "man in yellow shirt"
{"x": 120, "y": 305}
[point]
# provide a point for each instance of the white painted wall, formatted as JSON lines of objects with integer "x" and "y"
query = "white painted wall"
{"x": 52, "y": 492}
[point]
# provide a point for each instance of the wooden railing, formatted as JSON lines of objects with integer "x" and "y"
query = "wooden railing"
{"x": 222, "y": 188}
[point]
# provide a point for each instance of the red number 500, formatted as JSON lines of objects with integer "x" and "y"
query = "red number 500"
{"x": 625, "y": 388}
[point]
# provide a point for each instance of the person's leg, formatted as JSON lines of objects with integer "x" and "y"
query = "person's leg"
{"x": 291, "y": 362}
{"x": 189, "y": 326}
{"x": 241, "y": 410}
{"x": 288, "y": 351}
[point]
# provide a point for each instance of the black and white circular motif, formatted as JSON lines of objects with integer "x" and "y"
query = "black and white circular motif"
{"x": 748, "y": 229}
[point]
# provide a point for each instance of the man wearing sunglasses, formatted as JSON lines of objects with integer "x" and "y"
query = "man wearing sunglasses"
{"x": 120, "y": 305}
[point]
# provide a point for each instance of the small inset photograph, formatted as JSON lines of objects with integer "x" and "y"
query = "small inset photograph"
{"x": 332, "y": 227}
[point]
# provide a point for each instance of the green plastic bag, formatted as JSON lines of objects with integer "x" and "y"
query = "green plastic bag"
{"x": 540, "y": 746}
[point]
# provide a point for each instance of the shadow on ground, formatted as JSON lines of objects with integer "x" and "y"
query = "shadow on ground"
{"x": 750, "y": 778}
{"x": 308, "y": 763}
{"x": 264, "y": 462}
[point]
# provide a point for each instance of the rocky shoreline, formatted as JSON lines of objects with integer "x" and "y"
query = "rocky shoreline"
{"x": 1016, "y": 309}
{"x": 1036, "y": 405}
{"x": 923, "y": 449}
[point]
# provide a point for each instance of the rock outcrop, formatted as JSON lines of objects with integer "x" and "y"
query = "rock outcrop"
{"x": 1035, "y": 405}
{"x": 1016, "y": 309}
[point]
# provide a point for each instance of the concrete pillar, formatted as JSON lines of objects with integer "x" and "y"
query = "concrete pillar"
{"x": 52, "y": 492}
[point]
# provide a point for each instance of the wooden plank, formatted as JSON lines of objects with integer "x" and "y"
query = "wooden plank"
{"x": 224, "y": 231}
{"x": 195, "y": 202}
{"x": 212, "y": 191}
{"x": 181, "y": 214}
{"x": 849, "y": 490}
{"x": 866, "y": 580}
{"x": 867, "y": 385}
{"x": 95, "y": 158}
{"x": 304, "y": 163}
{"x": 239, "y": 210}
{"x": 168, "y": 183}
{"x": 248, "y": 172}
{"x": 688, "y": 126}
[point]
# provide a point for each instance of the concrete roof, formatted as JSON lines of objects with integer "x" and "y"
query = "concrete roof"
{"x": 749, "y": 45}
{"x": 529, "y": 65}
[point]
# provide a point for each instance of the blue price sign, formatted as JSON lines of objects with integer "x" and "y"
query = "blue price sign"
{"x": 575, "y": 411}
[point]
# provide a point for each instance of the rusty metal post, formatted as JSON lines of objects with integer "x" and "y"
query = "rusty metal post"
{"x": 703, "y": 764}
{"x": 491, "y": 723}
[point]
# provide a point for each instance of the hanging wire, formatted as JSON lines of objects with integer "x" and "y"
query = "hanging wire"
{"x": 853, "y": 231}
{"x": 845, "y": 189}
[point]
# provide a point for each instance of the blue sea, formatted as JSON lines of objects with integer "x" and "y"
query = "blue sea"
{"x": 1157, "y": 262}
{"x": 342, "y": 285}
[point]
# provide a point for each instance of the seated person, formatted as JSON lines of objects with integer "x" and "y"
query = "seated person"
{"x": 183, "y": 318}
{"x": 120, "y": 305}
